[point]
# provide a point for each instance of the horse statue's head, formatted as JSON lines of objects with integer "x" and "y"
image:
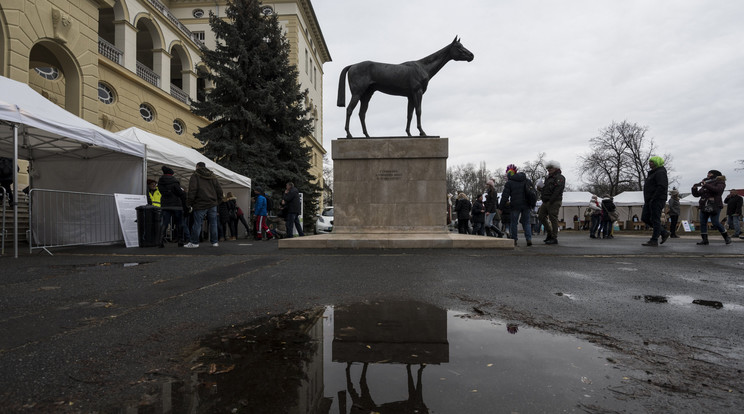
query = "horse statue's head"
{"x": 458, "y": 51}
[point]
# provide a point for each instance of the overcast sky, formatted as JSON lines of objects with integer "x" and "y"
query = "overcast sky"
{"x": 548, "y": 75}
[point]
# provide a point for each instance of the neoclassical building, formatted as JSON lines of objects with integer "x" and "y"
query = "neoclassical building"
{"x": 124, "y": 63}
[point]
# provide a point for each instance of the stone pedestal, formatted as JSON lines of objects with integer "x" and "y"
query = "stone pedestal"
{"x": 390, "y": 185}
{"x": 391, "y": 193}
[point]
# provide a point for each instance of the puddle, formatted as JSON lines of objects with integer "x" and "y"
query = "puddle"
{"x": 402, "y": 357}
{"x": 567, "y": 295}
{"x": 684, "y": 300}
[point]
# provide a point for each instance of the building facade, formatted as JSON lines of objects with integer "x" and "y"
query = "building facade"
{"x": 124, "y": 63}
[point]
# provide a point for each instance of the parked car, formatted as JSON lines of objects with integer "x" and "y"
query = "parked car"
{"x": 324, "y": 222}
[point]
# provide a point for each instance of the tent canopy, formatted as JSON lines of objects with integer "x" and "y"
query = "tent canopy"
{"x": 65, "y": 151}
{"x": 163, "y": 151}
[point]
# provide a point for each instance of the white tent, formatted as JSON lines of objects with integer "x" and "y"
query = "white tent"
{"x": 574, "y": 204}
{"x": 64, "y": 151}
{"x": 629, "y": 204}
{"x": 163, "y": 151}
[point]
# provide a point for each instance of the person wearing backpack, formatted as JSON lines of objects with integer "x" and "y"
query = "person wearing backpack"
{"x": 515, "y": 192}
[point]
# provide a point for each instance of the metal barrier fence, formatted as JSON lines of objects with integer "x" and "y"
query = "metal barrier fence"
{"x": 66, "y": 218}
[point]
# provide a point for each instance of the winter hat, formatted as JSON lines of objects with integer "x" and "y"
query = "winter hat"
{"x": 594, "y": 197}
{"x": 490, "y": 182}
{"x": 715, "y": 173}
{"x": 511, "y": 169}
{"x": 201, "y": 164}
{"x": 553, "y": 164}
{"x": 167, "y": 170}
{"x": 674, "y": 191}
{"x": 658, "y": 161}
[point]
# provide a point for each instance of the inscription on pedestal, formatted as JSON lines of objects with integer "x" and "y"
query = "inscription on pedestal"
{"x": 387, "y": 175}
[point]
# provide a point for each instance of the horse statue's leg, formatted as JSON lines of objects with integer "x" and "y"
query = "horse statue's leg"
{"x": 409, "y": 116}
{"x": 417, "y": 103}
{"x": 363, "y": 110}
{"x": 349, "y": 110}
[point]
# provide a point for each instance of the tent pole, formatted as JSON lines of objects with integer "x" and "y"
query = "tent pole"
{"x": 144, "y": 173}
{"x": 15, "y": 191}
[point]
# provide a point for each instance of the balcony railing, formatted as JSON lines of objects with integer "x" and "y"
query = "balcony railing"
{"x": 147, "y": 74}
{"x": 167, "y": 13}
{"x": 179, "y": 94}
{"x": 109, "y": 51}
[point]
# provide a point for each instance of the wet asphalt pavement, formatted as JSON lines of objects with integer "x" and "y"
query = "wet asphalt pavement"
{"x": 92, "y": 326}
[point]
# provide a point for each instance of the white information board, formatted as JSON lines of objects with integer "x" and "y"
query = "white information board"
{"x": 686, "y": 225}
{"x": 126, "y": 205}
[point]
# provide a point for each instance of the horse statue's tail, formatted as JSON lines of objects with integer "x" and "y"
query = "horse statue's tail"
{"x": 341, "y": 101}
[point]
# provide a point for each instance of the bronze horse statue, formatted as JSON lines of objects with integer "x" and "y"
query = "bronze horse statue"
{"x": 408, "y": 79}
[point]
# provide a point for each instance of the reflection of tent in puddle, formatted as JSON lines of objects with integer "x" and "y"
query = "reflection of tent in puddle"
{"x": 389, "y": 333}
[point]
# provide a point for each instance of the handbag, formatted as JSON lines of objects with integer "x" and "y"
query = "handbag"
{"x": 710, "y": 206}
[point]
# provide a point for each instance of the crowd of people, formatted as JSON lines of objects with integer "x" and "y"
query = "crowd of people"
{"x": 184, "y": 211}
{"x": 491, "y": 215}
{"x": 517, "y": 205}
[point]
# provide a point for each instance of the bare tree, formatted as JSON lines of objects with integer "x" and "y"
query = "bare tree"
{"x": 468, "y": 179}
{"x": 535, "y": 169}
{"x": 327, "y": 181}
{"x": 618, "y": 159}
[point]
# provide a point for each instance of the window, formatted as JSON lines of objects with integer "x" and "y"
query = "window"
{"x": 199, "y": 36}
{"x": 198, "y": 13}
{"x": 146, "y": 112}
{"x": 105, "y": 93}
{"x": 307, "y": 67}
{"x": 178, "y": 126}
{"x": 48, "y": 73}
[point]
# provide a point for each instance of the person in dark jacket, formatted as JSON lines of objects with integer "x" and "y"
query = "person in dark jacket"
{"x": 733, "y": 203}
{"x": 491, "y": 204}
{"x": 172, "y": 200}
{"x": 654, "y": 198}
{"x": 478, "y": 212}
{"x": 514, "y": 193}
{"x": 6, "y": 178}
{"x": 291, "y": 199}
{"x": 462, "y": 208}
{"x": 552, "y": 198}
{"x": 223, "y": 215}
{"x": 205, "y": 194}
{"x": 673, "y": 212}
{"x": 710, "y": 190}
{"x": 608, "y": 206}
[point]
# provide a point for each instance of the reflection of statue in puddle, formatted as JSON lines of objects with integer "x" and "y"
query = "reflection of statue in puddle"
{"x": 363, "y": 403}
{"x": 410, "y": 333}
{"x": 512, "y": 328}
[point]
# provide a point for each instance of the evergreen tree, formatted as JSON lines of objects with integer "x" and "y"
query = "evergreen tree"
{"x": 256, "y": 109}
